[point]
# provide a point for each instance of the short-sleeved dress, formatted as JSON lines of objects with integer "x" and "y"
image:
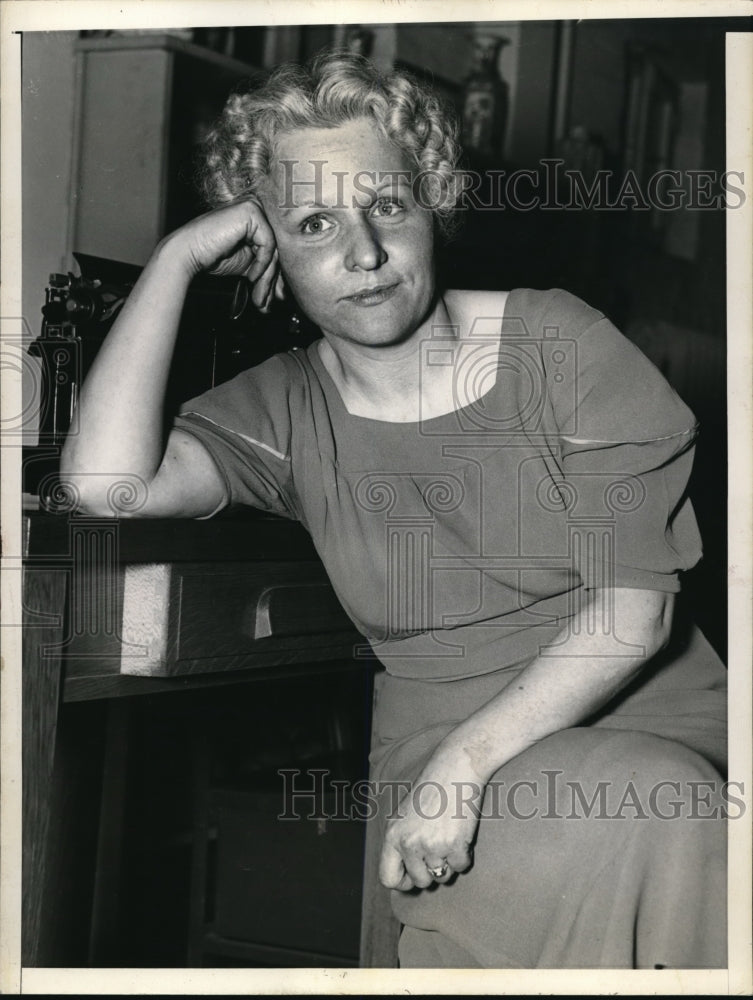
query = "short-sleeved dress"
{"x": 460, "y": 546}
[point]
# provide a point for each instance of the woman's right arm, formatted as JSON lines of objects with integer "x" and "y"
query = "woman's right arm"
{"x": 120, "y": 410}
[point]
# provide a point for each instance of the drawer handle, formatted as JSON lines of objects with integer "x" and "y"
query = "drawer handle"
{"x": 298, "y": 609}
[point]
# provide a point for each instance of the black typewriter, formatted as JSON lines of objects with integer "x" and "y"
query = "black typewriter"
{"x": 220, "y": 335}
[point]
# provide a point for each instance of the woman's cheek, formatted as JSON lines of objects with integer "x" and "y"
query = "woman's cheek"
{"x": 313, "y": 280}
{"x": 302, "y": 270}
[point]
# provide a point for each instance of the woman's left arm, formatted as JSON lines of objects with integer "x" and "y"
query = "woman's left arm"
{"x": 561, "y": 688}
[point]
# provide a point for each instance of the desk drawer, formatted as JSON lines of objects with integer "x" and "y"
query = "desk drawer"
{"x": 190, "y": 618}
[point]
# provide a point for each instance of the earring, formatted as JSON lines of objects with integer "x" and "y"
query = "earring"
{"x": 294, "y": 325}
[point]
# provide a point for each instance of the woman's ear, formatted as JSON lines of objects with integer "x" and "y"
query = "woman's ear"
{"x": 280, "y": 290}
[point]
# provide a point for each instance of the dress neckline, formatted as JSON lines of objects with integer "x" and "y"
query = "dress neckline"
{"x": 334, "y": 396}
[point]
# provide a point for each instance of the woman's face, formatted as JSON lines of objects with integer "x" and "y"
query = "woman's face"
{"x": 355, "y": 248}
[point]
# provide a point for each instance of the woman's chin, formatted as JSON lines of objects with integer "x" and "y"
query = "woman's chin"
{"x": 377, "y": 335}
{"x": 385, "y": 324}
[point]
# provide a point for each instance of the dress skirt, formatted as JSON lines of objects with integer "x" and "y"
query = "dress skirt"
{"x": 602, "y": 846}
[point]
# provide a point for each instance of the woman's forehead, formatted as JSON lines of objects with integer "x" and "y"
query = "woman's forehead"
{"x": 334, "y": 158}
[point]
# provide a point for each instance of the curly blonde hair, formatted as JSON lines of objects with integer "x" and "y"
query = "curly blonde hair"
{"x": 334, "y": 88}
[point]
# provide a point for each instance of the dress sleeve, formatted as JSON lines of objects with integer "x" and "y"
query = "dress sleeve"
{"x": 245, "y": 426}
{"x": 626, "y": 443}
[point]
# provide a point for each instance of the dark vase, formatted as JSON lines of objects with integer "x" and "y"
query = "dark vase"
{"x": 485, "y": 101}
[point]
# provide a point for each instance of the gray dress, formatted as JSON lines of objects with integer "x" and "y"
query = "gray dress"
{"x": 460, "y": 546}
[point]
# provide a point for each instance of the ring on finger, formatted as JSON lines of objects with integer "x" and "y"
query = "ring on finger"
{"x": 439, "y": 871}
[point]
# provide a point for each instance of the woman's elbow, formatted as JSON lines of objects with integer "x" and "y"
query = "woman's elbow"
{"x": 83, "y": 487}
{"x": 97, "y": 494}
{"x": 657, "y": 624}
{"x": 644, "y": 618}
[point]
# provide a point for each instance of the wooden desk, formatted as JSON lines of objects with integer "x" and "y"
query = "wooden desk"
{"x": 73, "y": 607}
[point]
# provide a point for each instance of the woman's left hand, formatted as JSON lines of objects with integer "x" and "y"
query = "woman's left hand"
{"x": 434, "y": 825}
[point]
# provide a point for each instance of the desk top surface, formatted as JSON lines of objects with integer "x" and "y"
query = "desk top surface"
{"x": 245, "y": 536}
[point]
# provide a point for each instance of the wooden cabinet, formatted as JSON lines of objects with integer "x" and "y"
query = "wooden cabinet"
{"x": 143, "y": 104}
{"x": 175, "y": 619}
{"x": 151, "y": 599}
{"x": 260, "y": 913}
{"x": 240, "y": 601}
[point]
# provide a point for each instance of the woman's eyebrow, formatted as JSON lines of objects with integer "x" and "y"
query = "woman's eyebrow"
{"x": 394, "y": 178}
{"x": 287, "y": 209}
{"x": 388, "y": 179}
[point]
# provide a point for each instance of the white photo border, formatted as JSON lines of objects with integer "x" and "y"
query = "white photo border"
{"x": 48, "y": 15}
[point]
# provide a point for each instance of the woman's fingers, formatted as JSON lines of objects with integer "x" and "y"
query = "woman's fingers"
{"x": 264, "y": 285}
{"x": 416, "y": 867}
{"x": 392, "y": 872}
{"x": 460, "y": 858}
{"x": 426, "y": 843}
{"x": 435, "y": 865}
{"x": 423, "y": 861}
{"x": 259, "y": 236}
{"x": 264, "y": 249}
{"x": 237, "y": 239}
{"x": 406, "y": 883}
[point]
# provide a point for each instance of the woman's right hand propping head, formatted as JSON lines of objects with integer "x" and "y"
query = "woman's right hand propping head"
{"x": 235, "y": 240}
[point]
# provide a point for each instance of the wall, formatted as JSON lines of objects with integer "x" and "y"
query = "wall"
{"x": 530, "y": 119}
{"x": 598, "y": 78}
{"x": 47, "y": 79}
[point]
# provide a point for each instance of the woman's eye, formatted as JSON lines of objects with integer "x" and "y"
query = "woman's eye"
{"x": 387, "y": 207}
{"x": 315, "y": 225}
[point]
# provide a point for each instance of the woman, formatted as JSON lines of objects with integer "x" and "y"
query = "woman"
{"x": 495, "y": 483}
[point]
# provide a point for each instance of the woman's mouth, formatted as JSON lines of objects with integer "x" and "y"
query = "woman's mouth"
{"x": 372, "y": 296}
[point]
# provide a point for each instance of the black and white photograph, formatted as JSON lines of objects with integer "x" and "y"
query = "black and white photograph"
{"x": 376, "y": 457}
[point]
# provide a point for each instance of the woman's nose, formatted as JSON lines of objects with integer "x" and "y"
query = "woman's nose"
{"x": 364, "y": 250}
